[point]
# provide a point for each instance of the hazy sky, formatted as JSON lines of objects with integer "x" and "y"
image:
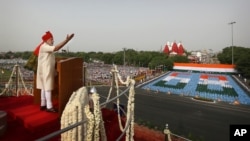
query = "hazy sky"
{"x": 111, "y": 25}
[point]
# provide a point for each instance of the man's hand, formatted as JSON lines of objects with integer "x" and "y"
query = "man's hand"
{"x": 69, "y": 37}
{"x": 60, "y": 45}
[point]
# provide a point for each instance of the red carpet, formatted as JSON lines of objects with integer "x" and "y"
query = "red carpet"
{"x": 25, "y": 122}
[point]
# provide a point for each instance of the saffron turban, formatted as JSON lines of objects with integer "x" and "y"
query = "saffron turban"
{"x": 47, "y": 36}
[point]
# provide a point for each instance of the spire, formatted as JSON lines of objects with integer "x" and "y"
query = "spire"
{"x": 174, "y": 47}
{"x": 180, "y": 49}
{"x": 166, "y": 49}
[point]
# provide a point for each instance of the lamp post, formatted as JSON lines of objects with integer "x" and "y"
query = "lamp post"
{"x": 124, "y": 49}
{"x": 231, "y": 23}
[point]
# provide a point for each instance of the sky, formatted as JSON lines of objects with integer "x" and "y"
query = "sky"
{"x": 111, "y": 25}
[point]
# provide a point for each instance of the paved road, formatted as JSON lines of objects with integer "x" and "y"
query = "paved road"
{"x": 205, "y": 121}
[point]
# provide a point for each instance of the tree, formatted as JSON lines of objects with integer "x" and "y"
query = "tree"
{"x": 225, "y": 57}
{"x": 169, "y": 64}
{"x": 118, "y": 58}
{"x": 179, "y": 59}
{"x": 160, "y": 60}
{"x": 144, "y": 58}
{"x": 241, "y": 59}
{"x": 8, "y": 55}
{"x": 108, "y": 58}
{"x": 243, "y": 64}
{"x": 25, "y": 55}
{"x": 131, "y": 57}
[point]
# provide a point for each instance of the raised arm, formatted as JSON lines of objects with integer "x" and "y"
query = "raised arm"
{"x": 60, "y": 45}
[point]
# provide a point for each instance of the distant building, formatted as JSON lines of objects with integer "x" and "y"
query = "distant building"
{"x": 203, "y": 56}
{"x": 200, "y": 56}
{"x": 173, "y": 49}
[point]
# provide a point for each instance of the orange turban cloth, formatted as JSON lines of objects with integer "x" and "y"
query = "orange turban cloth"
{"x": 45, "y": 37}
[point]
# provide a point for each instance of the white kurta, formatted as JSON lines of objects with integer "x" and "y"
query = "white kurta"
{"x": 46, "y": 68}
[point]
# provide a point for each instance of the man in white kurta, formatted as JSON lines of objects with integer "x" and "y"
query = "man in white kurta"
{"x": 45, "y": 74}
{"x": 46, "y": 69}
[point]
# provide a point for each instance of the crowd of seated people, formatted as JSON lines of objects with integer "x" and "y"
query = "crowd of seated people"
{"x": 102, "y": 73}
{"x": 218, "y": 87}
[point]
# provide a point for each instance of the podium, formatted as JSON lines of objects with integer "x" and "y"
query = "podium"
{"x": 69, "y": 78}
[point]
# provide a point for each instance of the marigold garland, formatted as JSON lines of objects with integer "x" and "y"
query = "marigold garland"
{"x": 78, "y": 109}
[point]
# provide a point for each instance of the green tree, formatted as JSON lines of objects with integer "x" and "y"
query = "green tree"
{"x": 157, "y": 61}
{"x": 25, "y": 55}
{"x": 144, "y": 58}
{"x": 9, "y": 55}
{"x": 131, "y": 57}
{"x": 169, "y": 64}
{"x": 108, "y": 58}
{"x": 243, "y": 64}
{"x": 240, "y": 56}
{"x": 118, "y": 58}
{"x": 179, "y": 59}
{"x": 225, "y": 57}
